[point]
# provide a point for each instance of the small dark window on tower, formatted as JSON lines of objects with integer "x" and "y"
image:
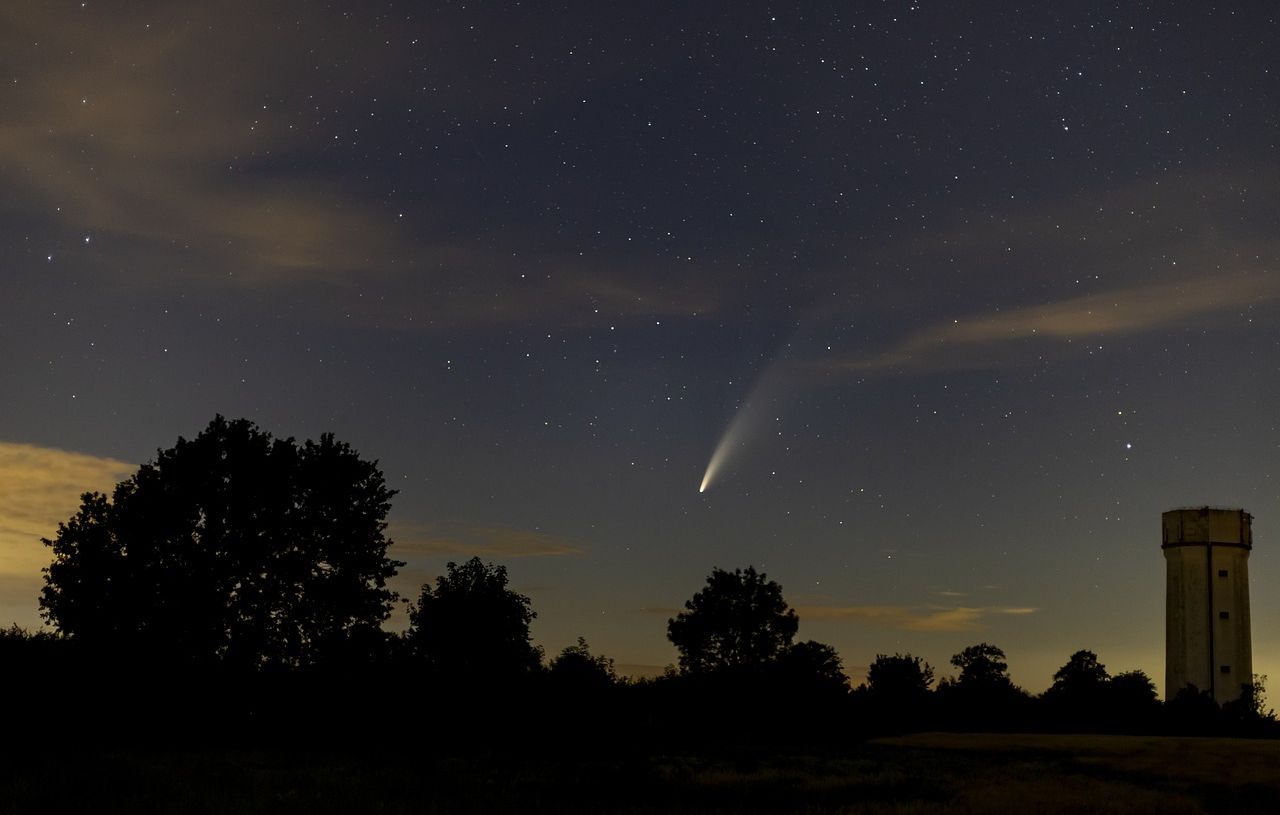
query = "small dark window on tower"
{"x": 1226, "y": 669}
{"x": 1222, "y": 573}
{"x": 1224, "y": 615}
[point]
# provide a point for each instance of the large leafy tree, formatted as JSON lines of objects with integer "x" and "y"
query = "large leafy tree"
{"x": 739, "y": 620}
{"x": 471, "y": 626}
{"x": 232, "y": 547}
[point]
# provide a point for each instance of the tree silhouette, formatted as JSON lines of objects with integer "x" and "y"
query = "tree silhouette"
{"x": 899, "y": 675}
{"x": 471, "y": 627}
{"x": 983, "y": 696}
{"x": 739, "y": 620}
{"x": 1078, "y": 699}
{"x": 982, "y": 666}
{"x": 811, "y": 668}
{"x": 1133, "y": 688}
{"x": 1079, "y": 684}
{"x": 232, "y": 548}
{"x": 896, "y": 697}
{"x": 1248, "y": 713}
{"x": 578, "y": 670}
{"x": 1083, "y": 675}
{"x": 900, "y": 678}
{"x": 1131, "y": 703}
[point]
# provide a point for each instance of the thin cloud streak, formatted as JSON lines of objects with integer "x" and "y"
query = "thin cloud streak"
{"x": 478, "y": 541}
{"x": 910, "y": 618}
{"x": 975, "y": 340}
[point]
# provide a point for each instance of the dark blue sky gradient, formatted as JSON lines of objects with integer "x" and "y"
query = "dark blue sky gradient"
{"x": 1011, "y": 276}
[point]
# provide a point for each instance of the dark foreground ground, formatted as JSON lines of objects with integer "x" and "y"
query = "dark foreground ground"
{"x": 929, "y": 773}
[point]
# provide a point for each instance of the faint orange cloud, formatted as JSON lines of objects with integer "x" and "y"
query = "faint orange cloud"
{"x": 150, "y": 147}
{"x": 40, "y": 487}
{"x": 909, "y": 618}
{"x": 484, "y": 541}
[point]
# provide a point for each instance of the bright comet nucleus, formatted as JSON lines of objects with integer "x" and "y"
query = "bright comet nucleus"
{"x": 717, "y": 458}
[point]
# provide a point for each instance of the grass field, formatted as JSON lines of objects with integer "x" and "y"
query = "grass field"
{"x": 927, "y": 773}
{"x": 1103, "y": 774}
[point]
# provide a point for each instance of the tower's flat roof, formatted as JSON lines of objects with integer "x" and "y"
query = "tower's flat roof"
{"x": 1211, "y": 507}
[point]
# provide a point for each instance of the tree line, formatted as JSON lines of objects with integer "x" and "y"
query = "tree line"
{"x": 237, "y": 586}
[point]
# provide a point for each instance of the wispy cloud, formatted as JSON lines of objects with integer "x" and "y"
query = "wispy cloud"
{"x": 483, "y": 541}
{"x": 976, "y": 339}
{"x": 910, "y": 618}
{"x": 40, "y": 487}
{"x": 216, "y": 178}
{"x": 993, "y": 284}
{"x": 147, "y": 148}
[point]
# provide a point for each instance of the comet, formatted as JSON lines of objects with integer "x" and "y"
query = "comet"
{"x": 728, "y": 441}
{"x": 750, "y": 416}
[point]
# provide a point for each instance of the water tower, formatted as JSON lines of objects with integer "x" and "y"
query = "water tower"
{"x": 1206, "y": 552}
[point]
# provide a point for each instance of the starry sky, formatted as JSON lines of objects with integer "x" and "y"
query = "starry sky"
{"x": 958, "y": 297}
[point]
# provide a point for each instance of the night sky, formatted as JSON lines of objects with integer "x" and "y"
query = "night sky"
{"x": 971, "y": 293}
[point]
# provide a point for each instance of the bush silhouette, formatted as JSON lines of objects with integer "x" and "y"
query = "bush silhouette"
{"x": 899, "y": 677}
{"x": 577, "y": 670}
{"x": 1130, "y": 703}
{"x": 1192, "y": 711}
{"x": 811, "y": 670}
{"x": 896, "y": 696}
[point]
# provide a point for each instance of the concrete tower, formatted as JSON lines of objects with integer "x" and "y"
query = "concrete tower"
{"x": 1207, "y": 643}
